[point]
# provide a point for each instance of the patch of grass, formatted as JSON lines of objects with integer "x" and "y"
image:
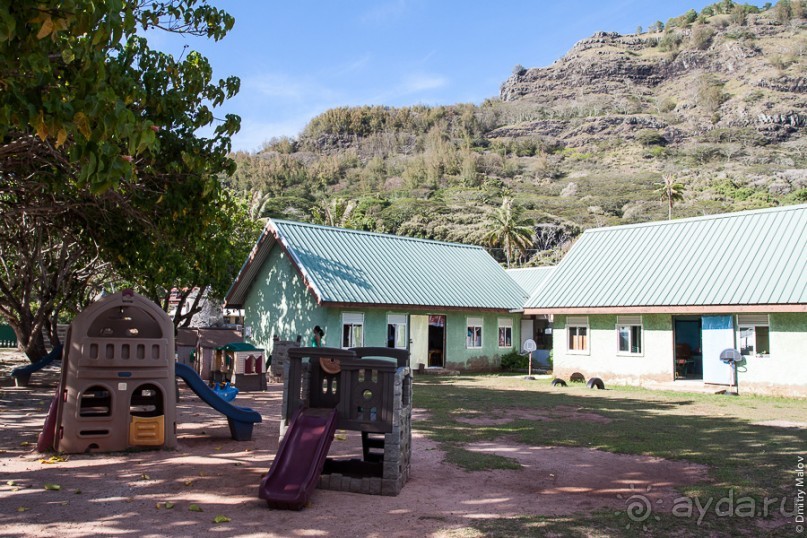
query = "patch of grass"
{"x": 476, "y": 461}
{"x": 752, "y": 460}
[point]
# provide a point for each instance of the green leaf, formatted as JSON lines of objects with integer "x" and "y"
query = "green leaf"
{"x": 53, "y": 487}
{"x": 68, "y": 56}
{"x": 195, "y": 508}
{"x": 221, "y": 519}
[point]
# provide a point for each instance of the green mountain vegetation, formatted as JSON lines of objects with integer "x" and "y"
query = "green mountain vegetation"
{"x": 704, "y": 114}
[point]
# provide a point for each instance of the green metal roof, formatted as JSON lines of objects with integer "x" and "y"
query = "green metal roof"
{"x": 530, "y": 278}
{"x": 355, "y": 267}
{"x": 748, "y": 258}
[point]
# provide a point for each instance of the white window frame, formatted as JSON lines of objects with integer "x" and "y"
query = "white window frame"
{"x": 507, "y": 325}
{"x": 353, "y": 320}
{"x": 629, "y": 322}
{"x": 578, "y": 322}
{"x": 747, "y": 325}
{"x": 474, "y": 326}
{"x": 399, "y": 321}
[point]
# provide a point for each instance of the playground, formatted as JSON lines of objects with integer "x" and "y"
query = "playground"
{"x": 474, "y": 469}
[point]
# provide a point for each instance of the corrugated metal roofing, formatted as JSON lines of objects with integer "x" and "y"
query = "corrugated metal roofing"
{"x": 531, "y": 278}
{"x": 349, "y": 266}
{"x": 748, "y": 258}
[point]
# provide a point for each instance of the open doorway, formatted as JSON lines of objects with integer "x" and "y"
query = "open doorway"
{"x": 688, "y": 357}
{"x": 437, "y": 341}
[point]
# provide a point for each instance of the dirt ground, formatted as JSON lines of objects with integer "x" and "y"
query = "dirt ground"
{"x": 126, "y": 493}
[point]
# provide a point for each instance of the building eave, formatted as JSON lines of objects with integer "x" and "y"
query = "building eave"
{"x": 670, "y": 309}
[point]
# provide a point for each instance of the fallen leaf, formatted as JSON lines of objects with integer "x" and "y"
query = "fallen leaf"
{"x": 54, "y": 459}
{"x": 221, "y": 519}
{"x": 23, "y": 509}
{"x": 11, "y": 483}
{"x": 188, "y": 482}
{"x": 169, "y": 505}
{"x": 53, "y": 487}
{"x": 25, "y": 443}
{"x": 195, "y": 508}
{"x": 340, "y": 437}
{"x": 144, "y": 476}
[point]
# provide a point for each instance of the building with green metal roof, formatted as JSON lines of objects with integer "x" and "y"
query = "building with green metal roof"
{"x": 536, "y": 327}
{"x": 451, "y": 305}
{"x": 660, "y": 301}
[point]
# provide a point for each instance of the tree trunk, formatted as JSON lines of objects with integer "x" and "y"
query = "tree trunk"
{"x": 32, "y": 343}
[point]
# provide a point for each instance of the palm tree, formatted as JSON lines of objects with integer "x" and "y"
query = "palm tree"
{"x": 670, "y": 190}
{"x": 510, "y": 230}
{"x": 333, "y": 212}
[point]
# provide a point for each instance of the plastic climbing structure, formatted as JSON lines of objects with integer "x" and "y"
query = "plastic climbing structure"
{"x": 362, "y": 389}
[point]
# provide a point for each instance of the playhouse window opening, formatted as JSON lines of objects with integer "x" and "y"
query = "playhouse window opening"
{"x": 96, "y": 401}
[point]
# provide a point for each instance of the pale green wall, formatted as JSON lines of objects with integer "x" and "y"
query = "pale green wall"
{"x": 782, "y": 372}
{"x": 602, "y": 360}
{"x": 457, "y": 355}
{"x": 279, "y": 304}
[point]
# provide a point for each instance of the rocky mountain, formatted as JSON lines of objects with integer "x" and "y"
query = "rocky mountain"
{"x": 715, "y": 101}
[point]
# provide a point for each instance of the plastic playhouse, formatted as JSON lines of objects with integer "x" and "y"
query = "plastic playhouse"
{"x": 361, "y": 389}
{"x": 241, "y": 365}
{"x": 118, "y": 384}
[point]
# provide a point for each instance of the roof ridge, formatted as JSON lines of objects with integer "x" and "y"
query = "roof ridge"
{"x": 716, "y": 216}
{"x": 531, "y": 268}
{"x": 337, "y": 229}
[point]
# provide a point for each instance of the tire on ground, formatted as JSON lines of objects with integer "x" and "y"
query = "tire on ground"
{"x": 595, "y": 382}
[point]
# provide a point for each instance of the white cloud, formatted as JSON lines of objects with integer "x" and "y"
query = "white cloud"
{"x": 282, "y": 87}
{"x": 418, "y": 82}
{"x": 385, "y": 12}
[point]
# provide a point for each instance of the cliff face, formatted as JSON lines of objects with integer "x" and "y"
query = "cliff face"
{"x": 685, "y": 81}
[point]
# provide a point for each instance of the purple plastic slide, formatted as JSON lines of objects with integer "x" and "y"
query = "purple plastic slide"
{"x": 295, "y": 472}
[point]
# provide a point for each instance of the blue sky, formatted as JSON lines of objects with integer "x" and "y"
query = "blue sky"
{"x": 299, "y": 58}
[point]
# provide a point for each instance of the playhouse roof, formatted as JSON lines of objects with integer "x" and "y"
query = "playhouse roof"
{"x": 349, "y": 267}
{"x": 752, "y": 261}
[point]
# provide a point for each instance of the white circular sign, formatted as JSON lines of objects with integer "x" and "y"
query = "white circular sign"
{"x": 529, "y": 345}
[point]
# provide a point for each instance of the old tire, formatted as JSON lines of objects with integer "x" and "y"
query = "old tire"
{"x": 595, "y": 382}
{"x": 558, "y": 382}
{"x": 577, "y": 377}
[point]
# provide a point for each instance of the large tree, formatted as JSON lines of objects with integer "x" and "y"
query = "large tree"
{"x": 101, "y": 166}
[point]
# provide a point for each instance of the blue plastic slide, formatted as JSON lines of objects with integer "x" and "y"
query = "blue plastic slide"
{"x": 240, "y": 419}
{"x": 22, "y": 374}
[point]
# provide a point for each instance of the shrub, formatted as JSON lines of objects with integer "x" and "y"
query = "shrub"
{"x": 701, "y": 37}
{"x": 670, "y": 42}
{"x": 650, "y": 137}
{"x": 513, "y": 361}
